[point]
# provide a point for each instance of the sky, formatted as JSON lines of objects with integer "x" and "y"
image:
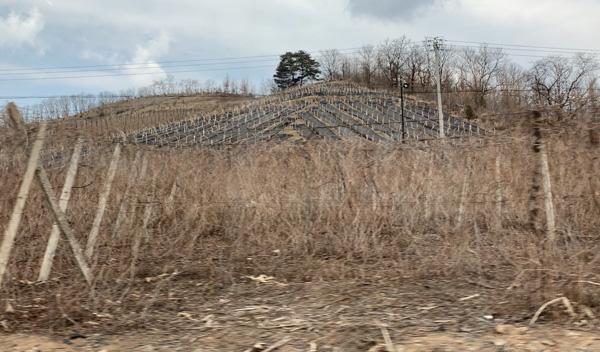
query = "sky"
{"x": 158, "y": 34}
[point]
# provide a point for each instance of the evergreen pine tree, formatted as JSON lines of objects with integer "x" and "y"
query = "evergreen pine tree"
{"x": 296, "y": 69}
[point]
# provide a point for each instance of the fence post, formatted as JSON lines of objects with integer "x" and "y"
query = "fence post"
{"x": 63, "y": 204}
{"x": 548, "y": 198}
{"x": 463, "y": 193}
{"x": 542, "y": 172}
{"x": 138, "y": 237}
{"x": 125, "y": 201}
{"x": 499, "y": 193}
{"x": 64, "y": 226}
{"x": 15, "y": 219}
{"x": 140, "y": 176}
{"x": 428, "y": 188}
{"x": 112, "y": 169}
{"x": 171, "y": 198}
{"x": 592, "y": 180}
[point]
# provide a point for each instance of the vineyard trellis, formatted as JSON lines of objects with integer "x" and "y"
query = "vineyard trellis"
{"x": 332, "y": 111}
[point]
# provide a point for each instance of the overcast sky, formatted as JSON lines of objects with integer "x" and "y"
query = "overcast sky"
{"x": 46, "y": 33}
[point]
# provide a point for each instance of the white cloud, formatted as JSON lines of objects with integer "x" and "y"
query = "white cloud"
{"x": 390, "y": 9}
{"x": 17, "y": 30}
{"x": 145, "y": 60}
{"x": 93, "y": 32}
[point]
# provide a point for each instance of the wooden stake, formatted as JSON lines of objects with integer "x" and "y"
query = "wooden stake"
{"x": 498, "y": 179}
{"x": 15, "y": 219}
{"x": 139, "y": 236}
{"x": 171, "y": 197}
{"x": 125, "y": 201}
{"x": 548, "y": 201}
{"x": 428, "y": 188}
{"x": 63, "y": 225}
{"x": 17, "y": 119}
{"x": 463, "y": 193}
{"x": 63, "y": 204}
{"x": 543, "y": 172}
{"x": 112, "y": 169}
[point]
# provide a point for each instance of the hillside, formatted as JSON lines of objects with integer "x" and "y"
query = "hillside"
{"x": 201, "y": 103}
{"x": 102, "y": 123}
{"x": 325, "y": 111}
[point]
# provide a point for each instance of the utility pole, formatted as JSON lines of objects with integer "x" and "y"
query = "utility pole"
{"x": 402, "y": 87}
{"x": 437, "y": 44}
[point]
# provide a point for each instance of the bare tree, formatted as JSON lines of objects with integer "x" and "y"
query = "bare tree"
{"x": 417, "y": 73}
{"x": 347, "y": 68}
{"x": 562, "y": 82}
{"x": 479, "y": 69}
{"x": 512, "y": 82}
{"x": 210, "y": 86}
{"x": 189, "y": 86}
{"x": 368, "y": 64}
{"x": 246, "y": 87}
{"x": 331, "y": 64}
{"x": 593, "y": 89}
{"x": 392, "y": 56}
{"x": 227, "y": 83}
{"x": 268, "y": 86}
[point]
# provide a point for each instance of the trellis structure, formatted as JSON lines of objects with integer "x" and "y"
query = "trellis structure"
{"x": 331, "y": 111}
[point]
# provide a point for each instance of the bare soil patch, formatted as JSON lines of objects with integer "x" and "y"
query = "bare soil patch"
{"x": 431, "y": 315}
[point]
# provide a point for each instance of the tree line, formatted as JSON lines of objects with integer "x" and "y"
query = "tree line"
{"x": 481, "y": 78}
{"x": 474, "y": 79}
{"x": 73, "y": 105}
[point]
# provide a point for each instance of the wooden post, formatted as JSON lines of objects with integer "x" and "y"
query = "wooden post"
{"x": 428, "y": 188}
{"x": 171, "y": 198}
{"x": 593, "y": 179}
{"x": 125, "y": 201}
{"x": 542, "y": 172}
{"x": 141, "y": 175}
{"x": 63, "y": 225}
{"x": 139, "y": 236}
{"x": 17, "y": 120}
{"x": 63, "y": 204}
{"x": 548, "y": 199}
{"x": 112, "y": 169}
{"x": 15, "y": 219}
{"x": 499, "y": 198}
{"x": 463, "y": 193}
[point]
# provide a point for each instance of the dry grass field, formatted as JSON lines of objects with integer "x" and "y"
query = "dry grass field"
{"x": 313, "y": 240}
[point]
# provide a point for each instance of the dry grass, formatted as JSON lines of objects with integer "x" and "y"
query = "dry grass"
{"x": 320, "y": 211}
{"x": 109, "y": 121}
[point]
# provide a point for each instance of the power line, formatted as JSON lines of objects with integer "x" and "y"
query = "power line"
{"x": 504, "y": 51}
{"x": 193, "y": 63}
{"x": 251, "y": 59}
{"x": 139, "y": 67}
{"x": 91, "y": 96}
{"x": 574, "y": 50}
{"x": 123, "y": 66}
{"x": 135, "y": 74}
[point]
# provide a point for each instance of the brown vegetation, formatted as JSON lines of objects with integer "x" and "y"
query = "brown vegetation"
{"x": 317, "y": 211}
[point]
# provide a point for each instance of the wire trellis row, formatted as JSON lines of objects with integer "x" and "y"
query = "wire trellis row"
{"x": 329, "y": 111}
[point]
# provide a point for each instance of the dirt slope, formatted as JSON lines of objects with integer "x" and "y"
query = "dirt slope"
{"x": 428, "y": 315}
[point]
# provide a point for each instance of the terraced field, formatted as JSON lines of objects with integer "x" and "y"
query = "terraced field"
{"x": 324, "y": 111}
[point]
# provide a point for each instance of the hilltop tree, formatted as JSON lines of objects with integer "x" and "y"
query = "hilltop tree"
{"x": 563, "y": 82}
{"x": 392, "y": 56}
{"x": 331, "y": 62}
{"x": 479, "y": 71}
{"x": 296, "y": 69}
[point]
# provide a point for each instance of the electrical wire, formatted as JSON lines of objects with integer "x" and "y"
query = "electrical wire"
{"x": 124, "y": 66}
{"x": 572, "y": 50}
{"x": 407, "y": 92}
